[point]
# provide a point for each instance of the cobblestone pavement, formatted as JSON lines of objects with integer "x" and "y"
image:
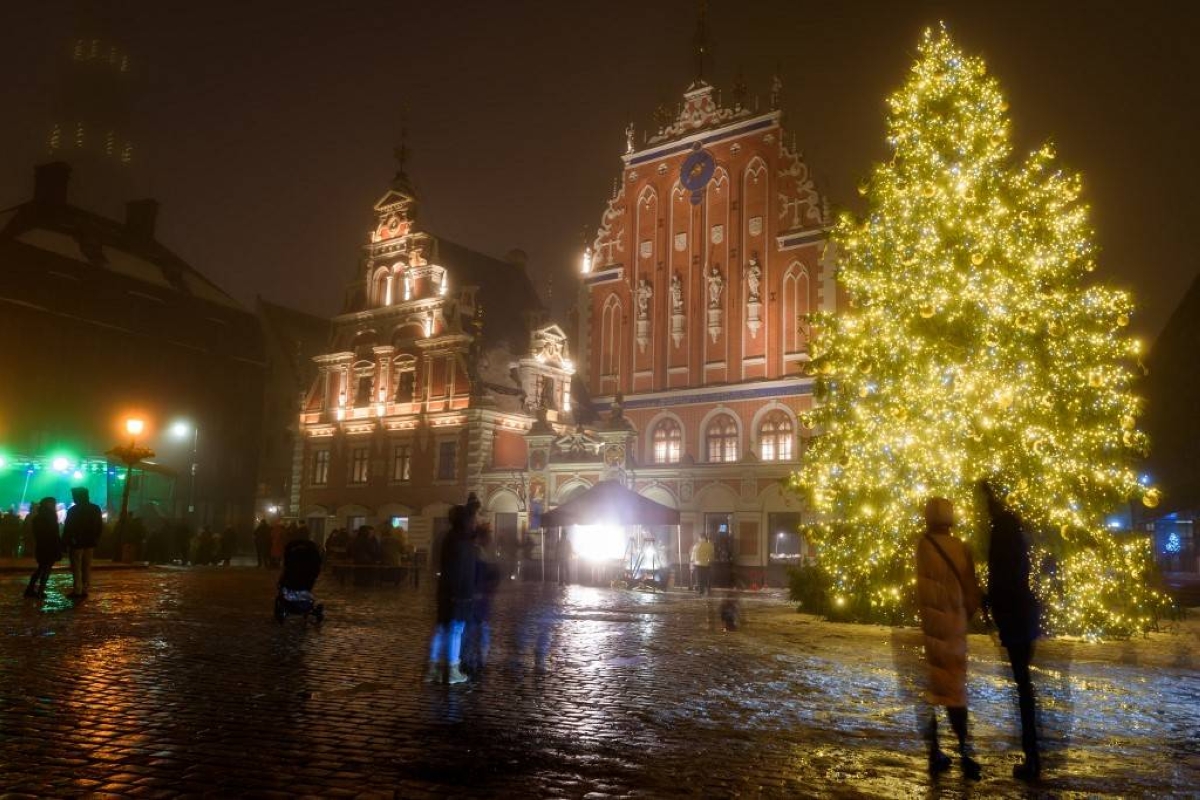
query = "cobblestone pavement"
{"x": 172, "y": 681}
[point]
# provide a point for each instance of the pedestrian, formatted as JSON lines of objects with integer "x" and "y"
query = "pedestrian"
{"x": 82, "y": 530}
{"x": 262, "y": 543}
{"x": 10, "y": 534}
{"x": 564, "y": 558}
{"x": 366, "y": 554}
{"x": 702, "y": 558}
{"x": 947, "y": 596}
{"x": 477, "y": 638}
{"x": 1014, "y": 609}
{"x": 228, "y": 542}
{"x": 455, "y": 592}
{"x": 47, "y": 546}
{"x": 278, "y": 541}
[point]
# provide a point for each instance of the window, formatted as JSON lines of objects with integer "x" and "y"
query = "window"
{"x": 406, "y": 383}
{"x": 775, "y": 437}
{"x": 402, "y": 463}
{"x": 362, "y": 397}
{"x": 447, "y": 468}
{"x": 668, "y": 442}
{"x": 722, "y": 439}
{"x": 786, "y": 544}
{"x": 360, "y": 462}
{"x": 320, "y": 468}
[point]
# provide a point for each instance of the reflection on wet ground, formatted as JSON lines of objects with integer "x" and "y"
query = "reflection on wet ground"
{"x": 172, "y": 681}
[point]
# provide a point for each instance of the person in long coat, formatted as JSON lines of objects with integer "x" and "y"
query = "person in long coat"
{"x": 47, "y": 546}
{"x": 455, "y": 593}
{"x": 1017, "y": 615}
{"x": 947, "y": 595}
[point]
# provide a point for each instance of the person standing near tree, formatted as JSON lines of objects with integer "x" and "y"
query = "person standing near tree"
{"x": 947, "y": 595}
{"x": 1014, "y": 608}
{"x": 82, "y": 530}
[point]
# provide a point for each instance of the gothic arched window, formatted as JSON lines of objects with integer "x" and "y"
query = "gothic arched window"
{"x": 775, "y": 437}
{"x": 722, "y": 438}
{"x": 668, "y": 442}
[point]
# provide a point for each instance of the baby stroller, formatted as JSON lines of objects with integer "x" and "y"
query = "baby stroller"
{"x": 301, "y": 566}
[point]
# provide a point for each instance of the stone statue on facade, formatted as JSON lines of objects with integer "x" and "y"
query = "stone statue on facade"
{"x": 676, "y": 294}
{"x": 644, "y": 293}
{"x": 715, "y": 286}
{"x": 753, "y": 279}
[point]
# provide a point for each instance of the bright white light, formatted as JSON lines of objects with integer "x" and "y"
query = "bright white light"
{"x": 60, "y": 464}
{"x": 598, "y": 542}
{"x": 78, "y": 475}
{"x": 180, "y": 430}
{"x": 587, "y": 260}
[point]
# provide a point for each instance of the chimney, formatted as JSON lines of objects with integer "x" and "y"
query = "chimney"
{"x": 140, "y": 216}
{"x": 50, "y": 183}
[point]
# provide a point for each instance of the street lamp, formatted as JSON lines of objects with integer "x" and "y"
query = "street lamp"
{"x": 181, "y": 430}
{"x": 128, "y": 454}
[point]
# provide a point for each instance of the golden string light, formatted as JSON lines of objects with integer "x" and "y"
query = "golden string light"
{"x": 973, "y": 349}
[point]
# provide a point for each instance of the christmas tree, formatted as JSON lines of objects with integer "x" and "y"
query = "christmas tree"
{"x": 973, "y": 347}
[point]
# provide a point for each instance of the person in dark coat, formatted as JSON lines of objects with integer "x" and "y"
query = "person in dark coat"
{"x": 1015, "y": 610}
{"x": 455, "y": 592}
{"x": 262, "y": 543}
{"x": 488, "y": 575}
{"x": 228, "y": 542}
{"x": 47, "y": 546}
{"x": 365, "y": 552}
{"x": 81, "y": 531}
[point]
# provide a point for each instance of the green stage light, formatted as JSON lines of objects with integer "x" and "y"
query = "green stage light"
{"x": 60, "y": 464}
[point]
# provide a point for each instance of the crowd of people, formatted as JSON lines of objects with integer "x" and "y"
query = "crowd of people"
{"x": 386, "y": 546}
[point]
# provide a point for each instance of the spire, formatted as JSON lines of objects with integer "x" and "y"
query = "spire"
{"x": 702, "y": 47}
{"x": 400, "y": 181}
{"x": 739, "y": 91}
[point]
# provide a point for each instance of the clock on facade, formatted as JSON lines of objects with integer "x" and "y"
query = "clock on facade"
{"x": 696, "y": 172}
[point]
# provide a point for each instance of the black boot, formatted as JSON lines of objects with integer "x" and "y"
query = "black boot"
{"x": 939, "y": 762}
{"x": 1028, "y": 770}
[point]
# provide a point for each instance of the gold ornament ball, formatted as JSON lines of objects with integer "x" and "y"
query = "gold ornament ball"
{"x": 929, "y": 190}
{"x": 1095, "y": 380}
{"x": 1055, "y": 328}
{"x": 1127, "y": 422}
{"x": 927, "y": 310}
{"x": 863, "y": 391}
{"x": 1151, "y": 498}
{"x": 977, "y": 258}
{"x": 1122, "y": 320}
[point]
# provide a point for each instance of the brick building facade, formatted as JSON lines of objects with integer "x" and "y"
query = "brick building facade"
{"x": 690, "y": 338}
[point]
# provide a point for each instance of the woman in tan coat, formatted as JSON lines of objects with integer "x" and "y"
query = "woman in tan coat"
{"x": 948, "y": 595}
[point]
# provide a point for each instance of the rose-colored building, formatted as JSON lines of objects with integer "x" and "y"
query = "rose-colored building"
{"x": 690, "y": 331}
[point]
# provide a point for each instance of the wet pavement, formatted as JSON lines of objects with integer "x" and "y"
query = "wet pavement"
{"x": 176, "y": 681}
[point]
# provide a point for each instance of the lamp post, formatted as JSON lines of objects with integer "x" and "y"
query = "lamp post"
{"x": 129, "y": 455}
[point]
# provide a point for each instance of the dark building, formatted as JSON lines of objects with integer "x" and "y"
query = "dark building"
{"x": 291, "y": 339}
{"x": 99, "y": 321}
{"x": 1173, "y": 422}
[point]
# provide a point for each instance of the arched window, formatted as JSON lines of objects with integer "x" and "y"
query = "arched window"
{"x": 668, "y": 442}
{"x": 775, "y": 437}
{"x": 406, "y": 379}
{"x": 795, "y": 306}
{"x": 722, "y": 438}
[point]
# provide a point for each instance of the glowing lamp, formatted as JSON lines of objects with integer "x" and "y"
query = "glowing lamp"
{"x": 598, "y": 542}
{"x": 78, "y": 475}
{"x": 60, "y": 464}
{"x": 134, "y": 426}
{"x": 180, "y": 429}
{"x": 587, "y": 260}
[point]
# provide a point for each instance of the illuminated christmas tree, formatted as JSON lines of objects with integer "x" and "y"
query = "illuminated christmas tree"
{"x": 973, "y": 348}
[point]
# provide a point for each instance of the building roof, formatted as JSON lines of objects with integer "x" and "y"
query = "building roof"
{"x": 1172, "y": 397}
{"x": 74, "y": 264}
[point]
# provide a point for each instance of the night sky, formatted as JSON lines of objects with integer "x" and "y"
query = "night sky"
{"x": 266, "y": 129}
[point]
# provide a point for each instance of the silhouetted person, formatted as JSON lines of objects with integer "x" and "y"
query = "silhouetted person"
{"x": 10, "y": 534}
{"x": 1014, "y": 608}
{"x": 262, "y": 543}
{"x": 278, "y": 540}
{"x": 228, "y": 542}
{"x": 206, "y": 547}
{"x": 366, "y": 552}
{"x": 947, "y": 595}
{"x": 47, "y": 546}
{"x": 82, "y": 530}
{"x": 564, "y": 559}
{"x": 455, "y": 593}
{"x": 488, "y": 574}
